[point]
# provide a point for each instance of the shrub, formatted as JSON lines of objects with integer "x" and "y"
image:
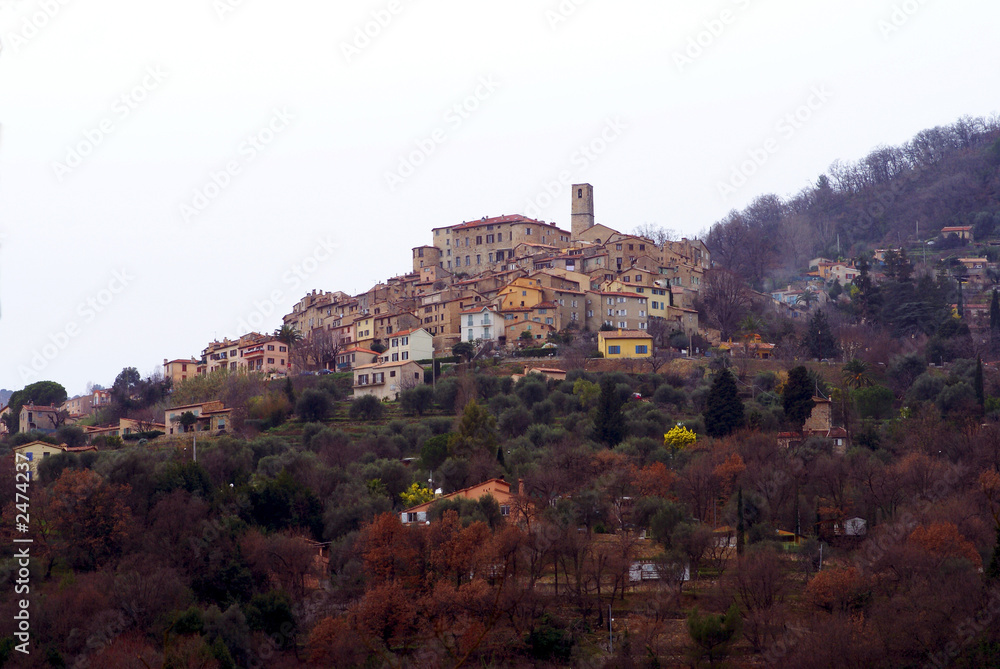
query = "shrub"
{"x": 313, "y": 406}
{"x": 417, "y": 400}
{"x": 366, "y": 407}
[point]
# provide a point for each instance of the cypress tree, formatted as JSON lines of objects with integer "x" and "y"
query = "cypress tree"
{"x": 978, "y": 382}
{"x": 723, "y": 407}
{"x": 797, "y": 397}
{"x": 994, "y": 315}
{"x": 740, "y": 523}
{"x": 993, "y": 570}
{"x": 609, "y": 423}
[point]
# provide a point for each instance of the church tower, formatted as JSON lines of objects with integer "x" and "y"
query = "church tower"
{"x": 582, "y": 209}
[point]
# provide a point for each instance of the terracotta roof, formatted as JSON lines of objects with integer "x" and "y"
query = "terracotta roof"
{"x": 626, "y": 334}
{"x": 386, "y": 365}
{"x": 546, "y": 305}
{"x": 618, "y": 294}
{"x": 406, "y": 332}
{"x": 35, "y": 407}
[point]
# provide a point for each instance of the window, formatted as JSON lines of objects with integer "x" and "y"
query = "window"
{"x": 504, "y": 510}
{"x": 527, "y": 231}
{"x": 479, "y": 240}
{"x": 614, "y": 350}
{"x": 641, "y": 349}
{"x": 638, "y": 278}
{"x": 470, "y": 320}
{"x": 392, "y": 374}
{"x": 622, "y": 324}
{"x": 618, "y": 247}
{"x": 405, "y": 355}
{"x": 270, "y": 361}
{"x": 270, "y": 347}
{"x": 281, "y": 349}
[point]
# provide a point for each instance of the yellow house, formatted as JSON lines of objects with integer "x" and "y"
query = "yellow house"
{"x": 36, "y": 451}
{"x": 364, "y": 331}
{"x": 625, "y": 344}
{"x": 523, "y": 292}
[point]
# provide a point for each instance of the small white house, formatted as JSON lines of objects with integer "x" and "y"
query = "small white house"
{"x": 416, "y": 344}
{"x": 483, "y": 323}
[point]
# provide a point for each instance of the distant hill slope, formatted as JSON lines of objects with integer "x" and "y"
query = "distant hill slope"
{"x": 945, "y": 176}
{"x": 5, "y": 396}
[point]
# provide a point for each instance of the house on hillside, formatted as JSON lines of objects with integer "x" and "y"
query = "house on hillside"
{"x": 36, "y": 451}
{"x": 496, "y": 488}
{"x": 625, "y": 344}
{"x": 482, "y": 323}
{"x": 751, "y": 345}
{"x": 211, "y": 417}
{"x": 960, "y": 231}
{"x": 386, "y": 380}
{"x": 819, "y": 424}
{"x": 38, "y": 418}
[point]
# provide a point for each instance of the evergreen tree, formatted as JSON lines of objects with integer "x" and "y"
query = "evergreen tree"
{"x": 836, "y": 289}
{"x": 609, "y": 423}
{"x": 723, "y": 408}
{"x": 818, "y": 337}
{"x": 978, "y": 385}
{"x": 960, "y": 307}
{"x": 713, "y": 634}
{"x": 741, "y": 527}
{"x": 994, "y": 315}
{"x": 993, "y": 570}
{"x": 797, "y": 397}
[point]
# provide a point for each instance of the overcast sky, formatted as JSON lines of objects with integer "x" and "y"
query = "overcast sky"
{"x": 172, "y": 171}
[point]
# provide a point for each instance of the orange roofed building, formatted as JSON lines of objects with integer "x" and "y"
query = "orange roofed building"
{"x": 497, "y": 488}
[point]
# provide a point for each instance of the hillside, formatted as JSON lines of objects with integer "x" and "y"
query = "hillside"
{"x": 944, "y": 176}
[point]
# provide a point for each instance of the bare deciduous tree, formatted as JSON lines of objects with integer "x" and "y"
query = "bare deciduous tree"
{"x": 727, "y": 300}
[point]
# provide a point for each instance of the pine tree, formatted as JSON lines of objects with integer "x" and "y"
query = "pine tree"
{"x": 609, "y": 423}
{"x": 818, "y": 337}
{"x": 723, "y": 407}
{"x": 797, "y": 397}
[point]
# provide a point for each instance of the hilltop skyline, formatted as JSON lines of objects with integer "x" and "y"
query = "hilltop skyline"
{"x": 156, "y": 192}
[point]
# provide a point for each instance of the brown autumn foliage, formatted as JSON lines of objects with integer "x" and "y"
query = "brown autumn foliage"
{"x": 89, "y": 516}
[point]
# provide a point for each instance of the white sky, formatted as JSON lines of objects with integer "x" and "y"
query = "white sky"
{"x": 560, "y": 75}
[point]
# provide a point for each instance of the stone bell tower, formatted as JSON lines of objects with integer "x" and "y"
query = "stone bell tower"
{"x": 582, "y": 209}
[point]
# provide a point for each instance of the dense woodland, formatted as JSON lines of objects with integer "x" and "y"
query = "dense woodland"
{"x": 146, "y": 557}
{"x": 143, "y": 556}
{"x": 945, "y": 176}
